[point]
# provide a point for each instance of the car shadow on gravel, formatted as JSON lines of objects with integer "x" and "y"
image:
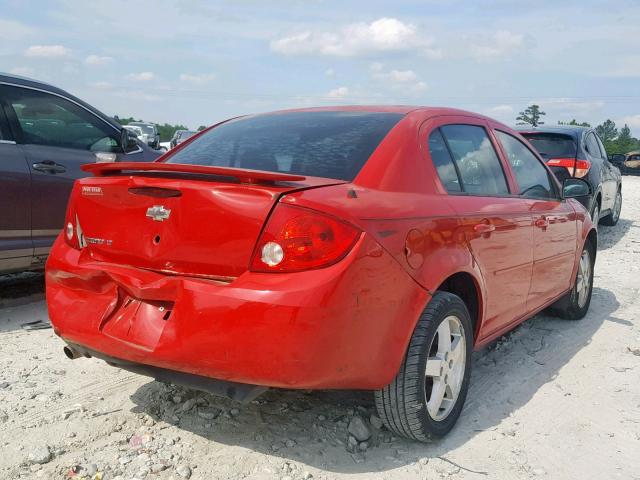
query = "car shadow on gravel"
{"x": 21, "y": 295}
{"x": 21, "y": 288}
{"x": 311, "y": 427}
{"x": 609, "y": 237}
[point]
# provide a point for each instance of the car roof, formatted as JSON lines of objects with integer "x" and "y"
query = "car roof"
{"x": 20, "y": 81}
{"x": 402, "y": 109}
{"x": 421, "y": 112}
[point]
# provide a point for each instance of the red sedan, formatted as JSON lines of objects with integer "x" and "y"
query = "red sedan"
{"x": 352, "y": 247}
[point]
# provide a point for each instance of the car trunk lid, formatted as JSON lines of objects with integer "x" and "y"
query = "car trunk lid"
{"x": 165, "y": 219}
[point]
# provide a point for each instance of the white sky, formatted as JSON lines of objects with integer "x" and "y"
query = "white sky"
{"x": 196, "y": 62}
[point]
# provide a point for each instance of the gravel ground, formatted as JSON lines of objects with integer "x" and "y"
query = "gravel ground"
{"x": 553, "y": 399}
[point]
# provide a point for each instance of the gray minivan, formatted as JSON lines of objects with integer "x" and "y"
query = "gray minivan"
{"x": 46, "y": 134}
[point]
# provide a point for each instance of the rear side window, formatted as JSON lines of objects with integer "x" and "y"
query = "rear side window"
{"x": 591, "y": 144}
{"x": 328, "y": 144}
{"x": 443, "y": 162}
{"x": 50, "y": 120}
{"x": 552, "y": 145}
{"x": 476, "y": 161}
{"x": 602, "y": 149}
{"x": 533, "y": 179}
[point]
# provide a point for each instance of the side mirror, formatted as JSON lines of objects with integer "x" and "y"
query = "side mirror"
{"x": 124, "y": 139}
{"x": 575, "y": 187}
{"x": 128, "y": 140}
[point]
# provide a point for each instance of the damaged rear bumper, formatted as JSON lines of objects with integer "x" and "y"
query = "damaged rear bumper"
{"x": 344, "y": 326}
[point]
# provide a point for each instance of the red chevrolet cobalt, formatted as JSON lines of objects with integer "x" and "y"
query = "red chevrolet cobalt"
{"x": 334, "y": 248}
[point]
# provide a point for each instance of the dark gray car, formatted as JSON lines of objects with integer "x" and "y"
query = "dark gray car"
{"x": 572, "y": 151}
{"x": 46, "y": 134}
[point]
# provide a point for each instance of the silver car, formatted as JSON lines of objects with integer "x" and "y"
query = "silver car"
{"x": 150, "y": 134}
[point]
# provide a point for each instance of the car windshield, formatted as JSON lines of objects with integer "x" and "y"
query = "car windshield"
{"x": 146, "y": 128}
{"x": 186, "y": 134}
{"x": 330, "y": 144}
{"x": 552, "y": 145}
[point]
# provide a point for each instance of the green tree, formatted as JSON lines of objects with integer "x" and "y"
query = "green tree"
{"x": 531, "y": 116}
{"x": 201, "y": 127}
{"x": 125, "y": 120}
{"x": 608, "y": 132}
{"x": 625, "y": 142}
{"x": 574, "y": 122}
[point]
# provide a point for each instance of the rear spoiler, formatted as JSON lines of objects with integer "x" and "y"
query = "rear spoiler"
{"x": 249, "y": 176}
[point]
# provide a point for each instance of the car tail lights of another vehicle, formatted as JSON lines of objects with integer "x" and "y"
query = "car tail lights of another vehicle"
{"x": 296, "y": 239}
{"x": 576, "y": 168}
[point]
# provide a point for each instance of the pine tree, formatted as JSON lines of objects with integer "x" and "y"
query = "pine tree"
{"x": 531, "y": 116}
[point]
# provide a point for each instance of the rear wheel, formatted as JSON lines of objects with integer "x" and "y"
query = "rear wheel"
{"x": 611, "y": 219}
{"x": 426, "y": 397}
{"x": 575, "y": 304}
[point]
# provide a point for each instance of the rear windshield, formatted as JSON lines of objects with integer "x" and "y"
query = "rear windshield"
{"x": 318, "y": 144}
{"x": 552, "y": 145}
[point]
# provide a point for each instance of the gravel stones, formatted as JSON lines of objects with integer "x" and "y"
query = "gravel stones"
{"x": 359, "y": 428}
{"x": 40, "y": 455}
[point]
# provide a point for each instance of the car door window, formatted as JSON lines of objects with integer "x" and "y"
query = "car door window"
{"x": 50, "y": 120}
{"x": 532, "y": 177}
{"x": 443, "y": 162}
{"x": 603, "y": 150}
{"x": 5, "y": 136}
{"x": 591, "y": 144}
{"x": 477, "y": 164}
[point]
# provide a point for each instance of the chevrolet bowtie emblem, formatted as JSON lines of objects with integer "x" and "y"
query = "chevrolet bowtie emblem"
{"x": 158, "y": 213}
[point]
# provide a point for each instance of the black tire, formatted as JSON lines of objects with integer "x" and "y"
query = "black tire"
{"x": 402, "y": 405}
{"x": 569, "y": 307}
{"x": 613, "y": 217}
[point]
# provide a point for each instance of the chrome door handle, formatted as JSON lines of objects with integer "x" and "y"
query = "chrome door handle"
{"x": 484, "y": 228}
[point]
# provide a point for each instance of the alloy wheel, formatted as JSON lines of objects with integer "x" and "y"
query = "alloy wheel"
{"x": 583, "y": 280}
{"x": 445, "y": 368}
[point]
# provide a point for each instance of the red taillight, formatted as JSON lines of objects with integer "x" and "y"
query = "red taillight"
{"x": 576, "y": 168}
{"x": 297, "y": 238}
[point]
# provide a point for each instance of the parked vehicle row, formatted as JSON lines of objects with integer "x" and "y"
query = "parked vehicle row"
{"x": 46, "y": 134}
{"x": 149, "y": 133}
{"x": 354, "y": 247}
{"x": 629, "y": 164}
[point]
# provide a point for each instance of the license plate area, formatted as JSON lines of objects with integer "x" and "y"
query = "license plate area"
{"x": 139, "y": 322}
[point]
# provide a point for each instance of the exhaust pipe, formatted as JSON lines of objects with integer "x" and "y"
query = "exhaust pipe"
{"x": 71, "y": 353}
